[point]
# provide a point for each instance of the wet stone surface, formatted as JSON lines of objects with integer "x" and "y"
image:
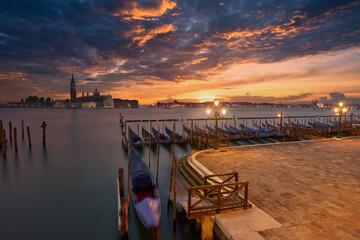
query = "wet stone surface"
{"x": 312, "y": 188}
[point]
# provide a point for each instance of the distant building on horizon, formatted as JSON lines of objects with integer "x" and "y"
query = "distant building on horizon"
{"x": 72, "y": 89}
{"x": 96, "y": 100}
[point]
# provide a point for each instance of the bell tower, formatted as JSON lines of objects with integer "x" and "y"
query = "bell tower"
{"x": 72, "y": 89}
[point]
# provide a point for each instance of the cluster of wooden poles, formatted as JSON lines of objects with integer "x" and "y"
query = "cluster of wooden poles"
{"x": 124, "y": 202}
{"x": 13, "y": 132}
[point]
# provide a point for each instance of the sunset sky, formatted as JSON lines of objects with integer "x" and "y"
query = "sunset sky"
{"x": 190, "y": 50}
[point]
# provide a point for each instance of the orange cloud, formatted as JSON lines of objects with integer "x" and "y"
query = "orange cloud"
{"x": 140, "y": 35}
{"x": 14, "y": 75}
{"x": 139, "y": 12}
{"x": 199, "y": 60}
{"x": 249, "y": 38}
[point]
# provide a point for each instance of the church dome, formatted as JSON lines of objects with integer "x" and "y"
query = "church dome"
{"x": 96, "y": 93}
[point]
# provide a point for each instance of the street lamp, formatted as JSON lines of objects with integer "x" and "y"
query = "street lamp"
{"x": 216, "y": 116}
{"x": 340, "y": 111}
{"x": 280, "y": 115}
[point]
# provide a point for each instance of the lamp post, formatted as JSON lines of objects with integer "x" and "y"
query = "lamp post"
{"x": 216, "y": 116}
{"x": 280, "y": 115}
{"x": 340, "y": 111}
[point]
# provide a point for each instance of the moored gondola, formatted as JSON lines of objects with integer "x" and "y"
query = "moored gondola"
{"x": 175, "y": 136}
{"x": 145, "y": 194}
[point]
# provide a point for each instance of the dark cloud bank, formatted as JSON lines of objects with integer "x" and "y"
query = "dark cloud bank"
{"x": 131, "y": 42}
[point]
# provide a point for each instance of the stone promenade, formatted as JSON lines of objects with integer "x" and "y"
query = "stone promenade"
{"x": 311, "y": 188}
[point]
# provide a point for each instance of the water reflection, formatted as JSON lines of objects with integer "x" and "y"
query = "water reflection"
{"x": 73, "y": 177}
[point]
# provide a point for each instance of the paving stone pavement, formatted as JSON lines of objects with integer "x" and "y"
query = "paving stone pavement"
{"x": 312, "y": 188}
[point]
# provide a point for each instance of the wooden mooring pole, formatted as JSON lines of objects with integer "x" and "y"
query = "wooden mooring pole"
{"x": 10, "y": 130}
{"x": 15, "y": 140}
{"x": 158, "y": 159}
{"x": 171, "y": 175}
{"x": 192, "y": 132}
{"x": 28, "y": 133}
{"x": 129, "y": 179}
{"x": 124, "y": 217}
{"x": 43, "y": 126}
{"x": 1, "y": 130}
{"x": 122, "y": 205}
{"x": 175, "y": 188}
{"x": 22, "y": 128}
{"x": 4, "y": 142}
{"x": 121, "y": 182}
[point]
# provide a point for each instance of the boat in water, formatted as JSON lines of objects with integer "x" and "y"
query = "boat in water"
{"x": 177, "y": 137}
{"x": 148, "y": 137}
{"x": 145, "y": 194}
{"x": 233, "y": 136}
{"x": 163, "y": 139}
{"x": 135, "y": 140}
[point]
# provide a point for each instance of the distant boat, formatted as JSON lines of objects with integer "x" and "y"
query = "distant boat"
{"x": 146, "y": 135}
{"x": 135, "y": 140}
{"x": 163, "y": 139}
{"x": 145, "y": 194}
{"x": 242, "y": 134}
{"x": 177, "y": 137}
{"x": 232, "y": 135}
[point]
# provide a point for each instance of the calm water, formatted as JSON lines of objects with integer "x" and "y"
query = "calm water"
{"x": 67, "y": 190}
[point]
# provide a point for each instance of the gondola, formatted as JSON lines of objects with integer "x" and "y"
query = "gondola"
{"x": 232, "y": 135}
{"x": 256, "y": 133}
{"x": 163, "y": 139}
{"x": 135, "y": 140}
{"x": 177, "y": 137}
{"x": 146, "y": 135}
{"x": 145, "y": 194}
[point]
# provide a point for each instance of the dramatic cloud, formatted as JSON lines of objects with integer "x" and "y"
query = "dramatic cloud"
{"x": 116, "y": 45}
{"x": 144, "y": 9}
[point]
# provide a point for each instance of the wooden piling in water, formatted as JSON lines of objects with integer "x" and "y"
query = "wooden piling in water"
{"x": 15, "y": 140}
{"x": 43, "y": 126}
{"x": 121, "y": 182}
{"x": 266, "y": 127}
{"x": 1, "y": 130}
{"x": 124, "y": 217}
{"x": 10, "y": 131}
{"x": 129, "y": 179}
{"x": 22, "y": 128}
{"x": 4, "y": 142}
{"x": 175, "y": 188}
{"x": 192, "y": 132}
{"x": 28, "y": 133}
{"x": 158, "y": 159}
{"x": 171, "y": 175}
{"x": 173, "y": 135}
{"x": 149, "y": 139}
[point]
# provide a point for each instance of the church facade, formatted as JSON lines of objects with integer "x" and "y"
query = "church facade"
{"x": 96, "y": 100}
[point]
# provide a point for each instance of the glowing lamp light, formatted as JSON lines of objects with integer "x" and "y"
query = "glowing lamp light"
{"x": 341, "y": 104}
{"x": 279, "y": 115}
{"x": 336, "y": 109}
{"x": 208, "y": 111}
{"x": 223, "y": 111}
{"x": 344, "y": 110}
{"x": 216, "y": 102}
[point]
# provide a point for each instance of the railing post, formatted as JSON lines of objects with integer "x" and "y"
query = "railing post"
{"x": 236, "y": 180}
{"x": 219, "y": 200}
{"x": 246, "y": 195}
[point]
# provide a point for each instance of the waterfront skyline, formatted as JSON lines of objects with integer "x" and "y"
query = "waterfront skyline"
{"x": 264, "y": 51}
